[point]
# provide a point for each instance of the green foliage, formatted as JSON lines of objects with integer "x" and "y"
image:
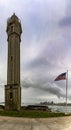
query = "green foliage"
{"x": 30, "y": 114}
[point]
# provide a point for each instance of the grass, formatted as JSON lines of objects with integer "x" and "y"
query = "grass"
{"x": 31, "y": 114}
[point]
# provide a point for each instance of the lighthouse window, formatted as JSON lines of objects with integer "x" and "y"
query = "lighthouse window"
{"x": 11, "y": 95}
{"x": 11, "y": 58}
{"x": 10, "y": 86}
{"x": 12, "y": 28}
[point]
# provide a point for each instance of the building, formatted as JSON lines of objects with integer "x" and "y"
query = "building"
{"x": 13, "y": 88}
{"x": 37, "y": 107}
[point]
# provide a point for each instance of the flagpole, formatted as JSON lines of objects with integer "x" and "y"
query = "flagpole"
{"x": 66, "y": 90}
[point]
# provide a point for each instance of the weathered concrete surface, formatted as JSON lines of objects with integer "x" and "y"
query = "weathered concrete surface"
{"x": 10, "y": 123}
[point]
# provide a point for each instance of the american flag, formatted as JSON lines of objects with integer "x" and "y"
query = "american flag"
{"x": 62, "y": 76}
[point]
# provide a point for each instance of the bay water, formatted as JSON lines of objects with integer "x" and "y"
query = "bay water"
{"x": 59, "y": 108}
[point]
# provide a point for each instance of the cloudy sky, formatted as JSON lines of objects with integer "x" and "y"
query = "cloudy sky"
{"x": 45, "y": 48}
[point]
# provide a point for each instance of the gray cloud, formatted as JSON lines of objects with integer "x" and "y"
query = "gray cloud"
{"x": 66, "y": 21}
{"x": 46, "y": 87}
{"x": 39, "y": 63}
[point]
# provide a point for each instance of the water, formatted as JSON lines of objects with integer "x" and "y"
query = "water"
{"x": 56, "y": 108}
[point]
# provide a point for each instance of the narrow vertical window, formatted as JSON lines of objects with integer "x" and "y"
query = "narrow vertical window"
{"x": 11, "y": 95}
{"x": 12, "y": 28}
{"x": 10, "y": 86}
{"x": 11, "y": 58}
